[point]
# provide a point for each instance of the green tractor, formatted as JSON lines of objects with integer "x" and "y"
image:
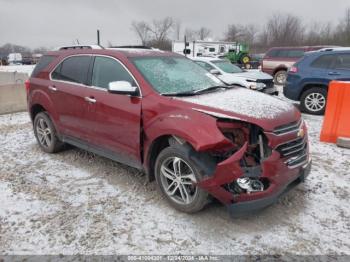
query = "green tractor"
{"x": 239, "y": 54}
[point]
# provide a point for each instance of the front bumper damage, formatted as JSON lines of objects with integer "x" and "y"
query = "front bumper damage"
{"x": 271, "y": 196}
{"x": 281, "y": 178}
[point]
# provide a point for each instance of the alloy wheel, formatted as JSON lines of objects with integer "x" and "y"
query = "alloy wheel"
{"x": 44, "y": 133}
{"x": 178, "y": 180}
{"x": 315, "y": 102}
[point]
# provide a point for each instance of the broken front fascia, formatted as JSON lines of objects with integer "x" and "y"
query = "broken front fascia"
{"x": 226, "y": 172}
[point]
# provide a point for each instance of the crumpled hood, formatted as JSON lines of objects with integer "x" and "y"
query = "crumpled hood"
{"x": 246, "y": 105}
{"x": 254, "y": 74}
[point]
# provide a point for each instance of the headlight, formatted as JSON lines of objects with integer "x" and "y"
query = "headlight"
{"x": 257, "y": 86}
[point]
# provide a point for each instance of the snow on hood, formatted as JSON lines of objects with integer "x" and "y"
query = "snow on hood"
{"x": 254, "y": 75}
{"x": 243, "y": 102}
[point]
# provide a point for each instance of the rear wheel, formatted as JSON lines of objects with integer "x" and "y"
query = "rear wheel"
{"x": 313, "y": 101}
{"x": 46, "y": 134}
{"x": 176, "y": 176}
{"x": 280, "y": 77}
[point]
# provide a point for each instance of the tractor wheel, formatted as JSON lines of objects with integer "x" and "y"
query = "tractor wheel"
{"x": 245, "y": 59}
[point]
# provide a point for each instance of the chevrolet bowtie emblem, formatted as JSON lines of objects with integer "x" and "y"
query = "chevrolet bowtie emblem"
{"x": 301, "y": 133}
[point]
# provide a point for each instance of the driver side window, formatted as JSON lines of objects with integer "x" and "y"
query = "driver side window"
{"x": 107, "y": 70}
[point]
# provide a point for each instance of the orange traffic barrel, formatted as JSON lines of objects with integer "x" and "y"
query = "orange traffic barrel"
{"x": 336, "y": 121}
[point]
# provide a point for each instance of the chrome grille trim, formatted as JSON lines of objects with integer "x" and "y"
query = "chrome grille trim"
{"x": 289, "y": 128}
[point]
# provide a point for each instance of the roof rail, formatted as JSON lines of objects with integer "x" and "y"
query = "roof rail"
{"x": 329, "y": 49}
{"x": 132, "y": 47}
{"x": 80, "y": 47}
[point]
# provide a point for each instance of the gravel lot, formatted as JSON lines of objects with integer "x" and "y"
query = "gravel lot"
{"x": 74, "y": 202}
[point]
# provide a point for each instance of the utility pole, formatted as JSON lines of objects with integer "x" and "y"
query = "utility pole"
{"x": 98, "y": 37}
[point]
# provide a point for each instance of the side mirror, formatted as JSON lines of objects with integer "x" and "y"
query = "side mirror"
{"x": 122, "y": 88}
{"x": 215, "y": 72}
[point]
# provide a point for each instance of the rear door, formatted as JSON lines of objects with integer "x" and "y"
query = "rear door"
{"x": 68, "y": 91}
{"x": 341, "y": 68}
{"x": 115, "y": 119}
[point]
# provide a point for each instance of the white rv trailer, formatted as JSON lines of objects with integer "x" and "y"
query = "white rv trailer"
{"x": 204, "y": 48}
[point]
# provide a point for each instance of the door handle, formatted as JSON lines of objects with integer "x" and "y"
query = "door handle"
{"x": 333, "y": 73}
{"x": 52, "y": 88}
{"x": 90, "y": 100}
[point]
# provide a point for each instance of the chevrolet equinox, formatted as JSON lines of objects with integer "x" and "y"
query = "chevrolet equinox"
{"x": 163, "y": 114}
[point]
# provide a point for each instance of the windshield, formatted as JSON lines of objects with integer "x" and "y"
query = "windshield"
{"x": 227, "y": 67}
{"x": 170, "y": 75}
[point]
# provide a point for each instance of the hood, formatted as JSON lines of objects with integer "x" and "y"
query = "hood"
{"x": 254, "y": 74}
{"x": 243, "y": 104}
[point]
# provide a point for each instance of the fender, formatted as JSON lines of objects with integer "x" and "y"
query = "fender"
{"x": 39, "y": 97}
{"x": 204, "y": 136}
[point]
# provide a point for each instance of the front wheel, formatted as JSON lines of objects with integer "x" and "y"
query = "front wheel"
{"x": 313, "y": 101}
{"x": 177, "y": 176}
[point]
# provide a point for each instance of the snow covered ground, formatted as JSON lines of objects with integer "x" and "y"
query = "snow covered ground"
{"x": 74, "y": 202}
{"x": 18, "y": 68}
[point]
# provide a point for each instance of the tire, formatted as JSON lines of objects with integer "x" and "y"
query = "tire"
{"x": 180, "y": 155}
{"x": 45, "y": 134}
{"x": 280, "y": 77}
{"x": 313, "y": 101}
{"x": 244, "y": 59}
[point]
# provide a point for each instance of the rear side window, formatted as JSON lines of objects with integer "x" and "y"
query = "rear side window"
{"x": 290, "y": 53}
{"x": 42, "y": 64}
{"x": 342, "y": 61}
{"x": 107, "y": 70}
{"x": 325, "y": 61}
{"x": 73, "y": 69}
{"x": 295, "y": 53}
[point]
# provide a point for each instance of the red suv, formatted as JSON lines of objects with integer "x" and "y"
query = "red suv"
{"x": 167, "y": 116}
{"x": 278, "y": 60}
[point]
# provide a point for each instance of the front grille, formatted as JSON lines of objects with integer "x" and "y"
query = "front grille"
{"x": 295, "y": 151}
{"x": 268, "y": 82}
{"x": 288, "y": 128}
{"x": 292, "y": 148}
{"x": 297, "y": 160}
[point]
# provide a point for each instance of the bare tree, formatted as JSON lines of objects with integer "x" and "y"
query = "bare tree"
{"x": 284, "y": 29}
{"x": 191, "y": 35}
{"x": 142, "y": 30}
{"x": 177, "y": 29}
{"x": 233, "y": 32}
{"x": 161, "y": 28}
{"x": 204, "y": 33}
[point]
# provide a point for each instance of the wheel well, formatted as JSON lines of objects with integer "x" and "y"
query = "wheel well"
{"x": 309, "y": 86}
{"x": 157, "y": 146}
{"x": 279, "y": 69}
{"x": 36, "y": 109}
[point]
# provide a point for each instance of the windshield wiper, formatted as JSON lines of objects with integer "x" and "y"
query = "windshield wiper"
{"x": 185, "y": 93}
{"x": 195, "y": 92}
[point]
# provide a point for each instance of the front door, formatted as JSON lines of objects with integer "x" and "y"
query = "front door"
{"x": 115, "y": 119}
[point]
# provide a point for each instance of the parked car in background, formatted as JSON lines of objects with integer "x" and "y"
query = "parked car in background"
{"x": 308, "y": 79}
{"x": 163, "y": 114}
{"x": 14, "y": 59}
{"x": 256, "y": 61}
{"x": 277, "y": 60}
{"x": 231, "y": 74}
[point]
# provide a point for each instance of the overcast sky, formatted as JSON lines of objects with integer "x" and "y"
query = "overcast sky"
{"x": 53, "y": 23}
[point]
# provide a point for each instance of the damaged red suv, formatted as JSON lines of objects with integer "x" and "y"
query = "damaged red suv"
{"x": 167, "y": 116}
